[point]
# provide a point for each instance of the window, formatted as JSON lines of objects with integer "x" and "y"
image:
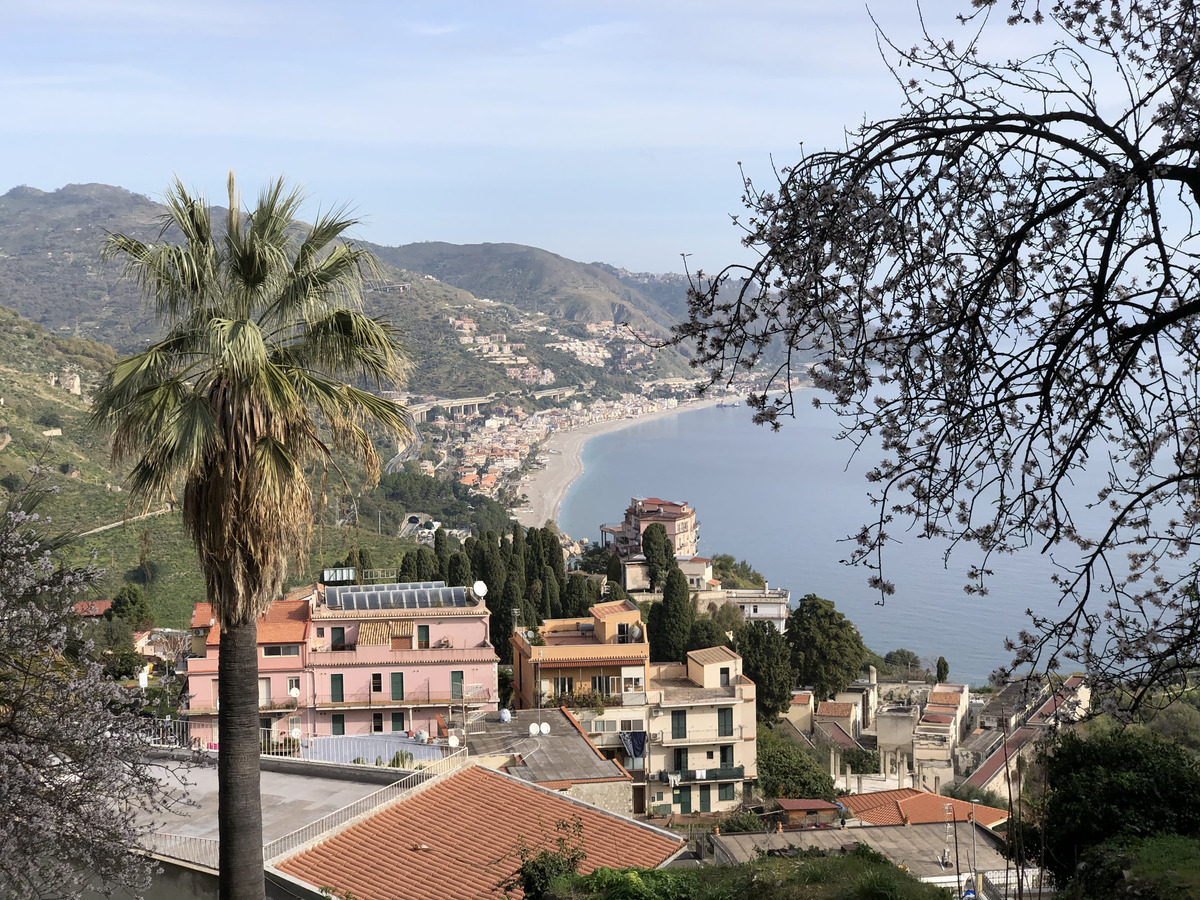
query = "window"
{"x": 320, "y": 632}
{"x": 337, "y": 638}
{"x": 339, "y": 723}
{"x": 265, "y": 725}
{"x": 264, "y": 692}
{"x": 422, "y": 637}
{"x": 398, "y": 687}
{"x": 293, "y": 726}
{"x": 456, "y": 685}
{"x": 658, "y": 797}
{"x": 727, "y": 757}
{"x": 756, "y": 609}
{"x": 601, "y": 725}
{"x": 600, "y": 684}
{"x": 376, "y": 723}
{"x": 725, "y": 792}
{"x": 633, "y": 684}
{"x": 725, "y": 677}
{"x": 709, "y": 755}
{"x": 725, "y": 722}
{"x": 635, "y": 762}
{"x": 564, "y": 686}
{"x": 293, "y": 685}
{"x": 678, "y": 723}
{"x": 336, "y": 692}
{"x": 376, "y": 682}
{"x": 680, "y": 758}
{"x": 632, "y": 725}
{"x": 281, "y": 650}
{"x": 398, "y": 722}
{"x": 622, "y": 632}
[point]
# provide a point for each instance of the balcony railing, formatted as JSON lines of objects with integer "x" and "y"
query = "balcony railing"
{"x": 684, "y": 776}
{"x": 698, "y": 736}
{"x": 383, "y": 699}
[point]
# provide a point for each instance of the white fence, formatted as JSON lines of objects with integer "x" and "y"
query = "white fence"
{"x": 198, "y": 851}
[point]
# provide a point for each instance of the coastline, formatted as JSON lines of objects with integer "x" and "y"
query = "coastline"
{"x": 548, "y": 487}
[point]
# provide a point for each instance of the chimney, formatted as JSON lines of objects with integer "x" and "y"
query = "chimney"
{"x": 874, "y": 676}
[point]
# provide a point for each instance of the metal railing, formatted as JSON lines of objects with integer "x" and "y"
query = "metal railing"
{"x": 729, "y": 773}
{"x": 393, "y": 792}
{"x": 699, "y": 736}
{"x": 200, "y": 851}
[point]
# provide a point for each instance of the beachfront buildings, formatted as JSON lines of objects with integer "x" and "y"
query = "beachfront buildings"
{"x": 675, "y": 516}
{"x": 685, "y": 731}
{"x": 356, "y": 659}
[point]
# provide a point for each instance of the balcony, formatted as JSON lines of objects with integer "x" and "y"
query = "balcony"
{"x": 697, "y": 736}
{"x": 269, "y": 705}
{"x": 383, "y": 700}
{"x": 687, "y": 776}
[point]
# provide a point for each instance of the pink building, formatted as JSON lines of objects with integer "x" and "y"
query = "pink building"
{"x": 357, "y": 659}
{"x": 675, "y": 516}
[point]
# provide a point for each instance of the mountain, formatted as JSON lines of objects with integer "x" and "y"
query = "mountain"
{"x": 51, "y": 272}
{"x": 535, "y": 281}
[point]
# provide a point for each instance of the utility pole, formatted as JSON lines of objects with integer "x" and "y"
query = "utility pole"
{"x": 974, "y": 857}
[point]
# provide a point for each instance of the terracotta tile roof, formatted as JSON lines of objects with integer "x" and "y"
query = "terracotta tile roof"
{"x": 713, "y": 655}
{"x": 443, "y": 843}
{"x": 834, "y": 710}
{"x": 909, "y": 806}
{"x": 802, "y": 697}
{"x": 938, "y": 719}
{"x": 836, "y": 734}
{"x": 92, "y": 609}
{"x": 944, "y": 697}
{"x": 600, "y": 610}
{"x": 796, "y": 805}
{"x": 284, "y": 622}
{"x": 381, "y": 633}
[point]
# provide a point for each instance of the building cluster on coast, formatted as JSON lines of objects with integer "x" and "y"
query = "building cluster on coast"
{"x": 489, "y": 448}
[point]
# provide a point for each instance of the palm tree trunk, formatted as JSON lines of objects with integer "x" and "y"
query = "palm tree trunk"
{"x": 239, "y": 815}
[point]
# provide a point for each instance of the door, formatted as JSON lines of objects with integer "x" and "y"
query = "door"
{"x": 397, "y": 685}
{"x": 337, "y": 638}
{"x": 678, "y": 724}
{"x": 336, "y": 694}
{"x": 339, "y": 723}
{"x": 264, "y": 693}
{"x": 683, "y": 798}
{"x": 705, "y": 800}
{"x": 456, "y": 685}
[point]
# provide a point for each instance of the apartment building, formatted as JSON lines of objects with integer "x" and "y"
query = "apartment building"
{"x": 685, "y": 732}
{"x": 675, "y": 516}
{"x": 357, "y": 659}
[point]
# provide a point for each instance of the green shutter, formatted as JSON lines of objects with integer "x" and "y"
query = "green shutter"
{"x": 397, "y": 687}
{"x": 678, "y": 723}
{"x": 339, "y": 723}
{"x": 725, "y": 722}
{"x": 456, "y": 685}
{"x": 336, "y": 694}
{"x": 398, "y": 722}
{"x": 705, "y": 799}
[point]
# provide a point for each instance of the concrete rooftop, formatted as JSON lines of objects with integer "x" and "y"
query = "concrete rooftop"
{"x": 562, "y": 755}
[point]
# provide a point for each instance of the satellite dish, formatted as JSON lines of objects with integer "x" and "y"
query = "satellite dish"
{"x": 533, "y": 729}
{"x": 636, "y": 634}
{"x": 296, "y": 733}
{"x": 480, "y": 589}
{"x": 545, "y": 728}
{"x": 295, "y": 692}
{"x": 452, "y": 740}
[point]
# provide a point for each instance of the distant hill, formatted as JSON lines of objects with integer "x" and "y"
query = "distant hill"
{"x": 51, "y": 272}
{"x": 536, "y": 281}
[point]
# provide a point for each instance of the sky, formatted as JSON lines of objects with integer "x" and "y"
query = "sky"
{"x": 603, "y": 131}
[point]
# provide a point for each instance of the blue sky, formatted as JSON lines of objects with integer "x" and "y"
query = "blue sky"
{"x": 599, "y": 130}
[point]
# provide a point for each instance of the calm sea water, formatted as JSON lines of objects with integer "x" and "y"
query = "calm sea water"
{"x": 785, "y": 502}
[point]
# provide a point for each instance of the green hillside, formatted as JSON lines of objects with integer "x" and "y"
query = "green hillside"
{"x": 533, "y": 280}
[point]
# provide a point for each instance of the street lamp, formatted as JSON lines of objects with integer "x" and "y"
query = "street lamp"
{"x": 974, "y": 858}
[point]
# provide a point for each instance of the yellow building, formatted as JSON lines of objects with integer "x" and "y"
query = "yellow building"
{"x": 684, "y": 731}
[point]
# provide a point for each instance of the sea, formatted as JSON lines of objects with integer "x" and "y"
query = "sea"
{"x": 785, "y": 502}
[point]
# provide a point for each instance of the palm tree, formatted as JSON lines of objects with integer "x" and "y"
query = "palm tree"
{"x": 241, "y": 403}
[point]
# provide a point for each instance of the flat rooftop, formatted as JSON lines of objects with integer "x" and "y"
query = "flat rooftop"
{"x": 564, "y": 754}
{"x": 684, "y": 690}
{"x": 919, "y": 847}
{"x": 289, "y": 802}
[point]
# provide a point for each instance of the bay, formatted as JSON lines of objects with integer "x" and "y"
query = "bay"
{"x": 785, "y": 502}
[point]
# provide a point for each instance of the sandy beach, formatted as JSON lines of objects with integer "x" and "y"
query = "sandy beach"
{"x": 548, "y": 487}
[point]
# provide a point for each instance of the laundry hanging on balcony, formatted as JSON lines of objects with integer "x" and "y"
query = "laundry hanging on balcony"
{"x": 634, "y": 743}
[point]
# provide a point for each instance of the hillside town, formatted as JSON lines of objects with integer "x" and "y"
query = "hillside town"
{"x": 397, "y": 693}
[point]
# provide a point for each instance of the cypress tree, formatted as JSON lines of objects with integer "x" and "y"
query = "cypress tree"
{"x": 613, "y": 572}
{"x": 494, "y": 571}
{"x": 554, "y": 555}
{"x": 458, "y": 572}
{"x": 427, "y": 564}
{"x": 575, "y": 600}
{"x": 659, "y": 553}
{"x": 534, "y": 557}
{"x": 500, "y": 623}
{"x": 552, "y": 602}
{"x": 677, "y": 616}
{"x": 441, "y": 548}
{"x": 537, "y": 601}
{"x": 408, "y": 567}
